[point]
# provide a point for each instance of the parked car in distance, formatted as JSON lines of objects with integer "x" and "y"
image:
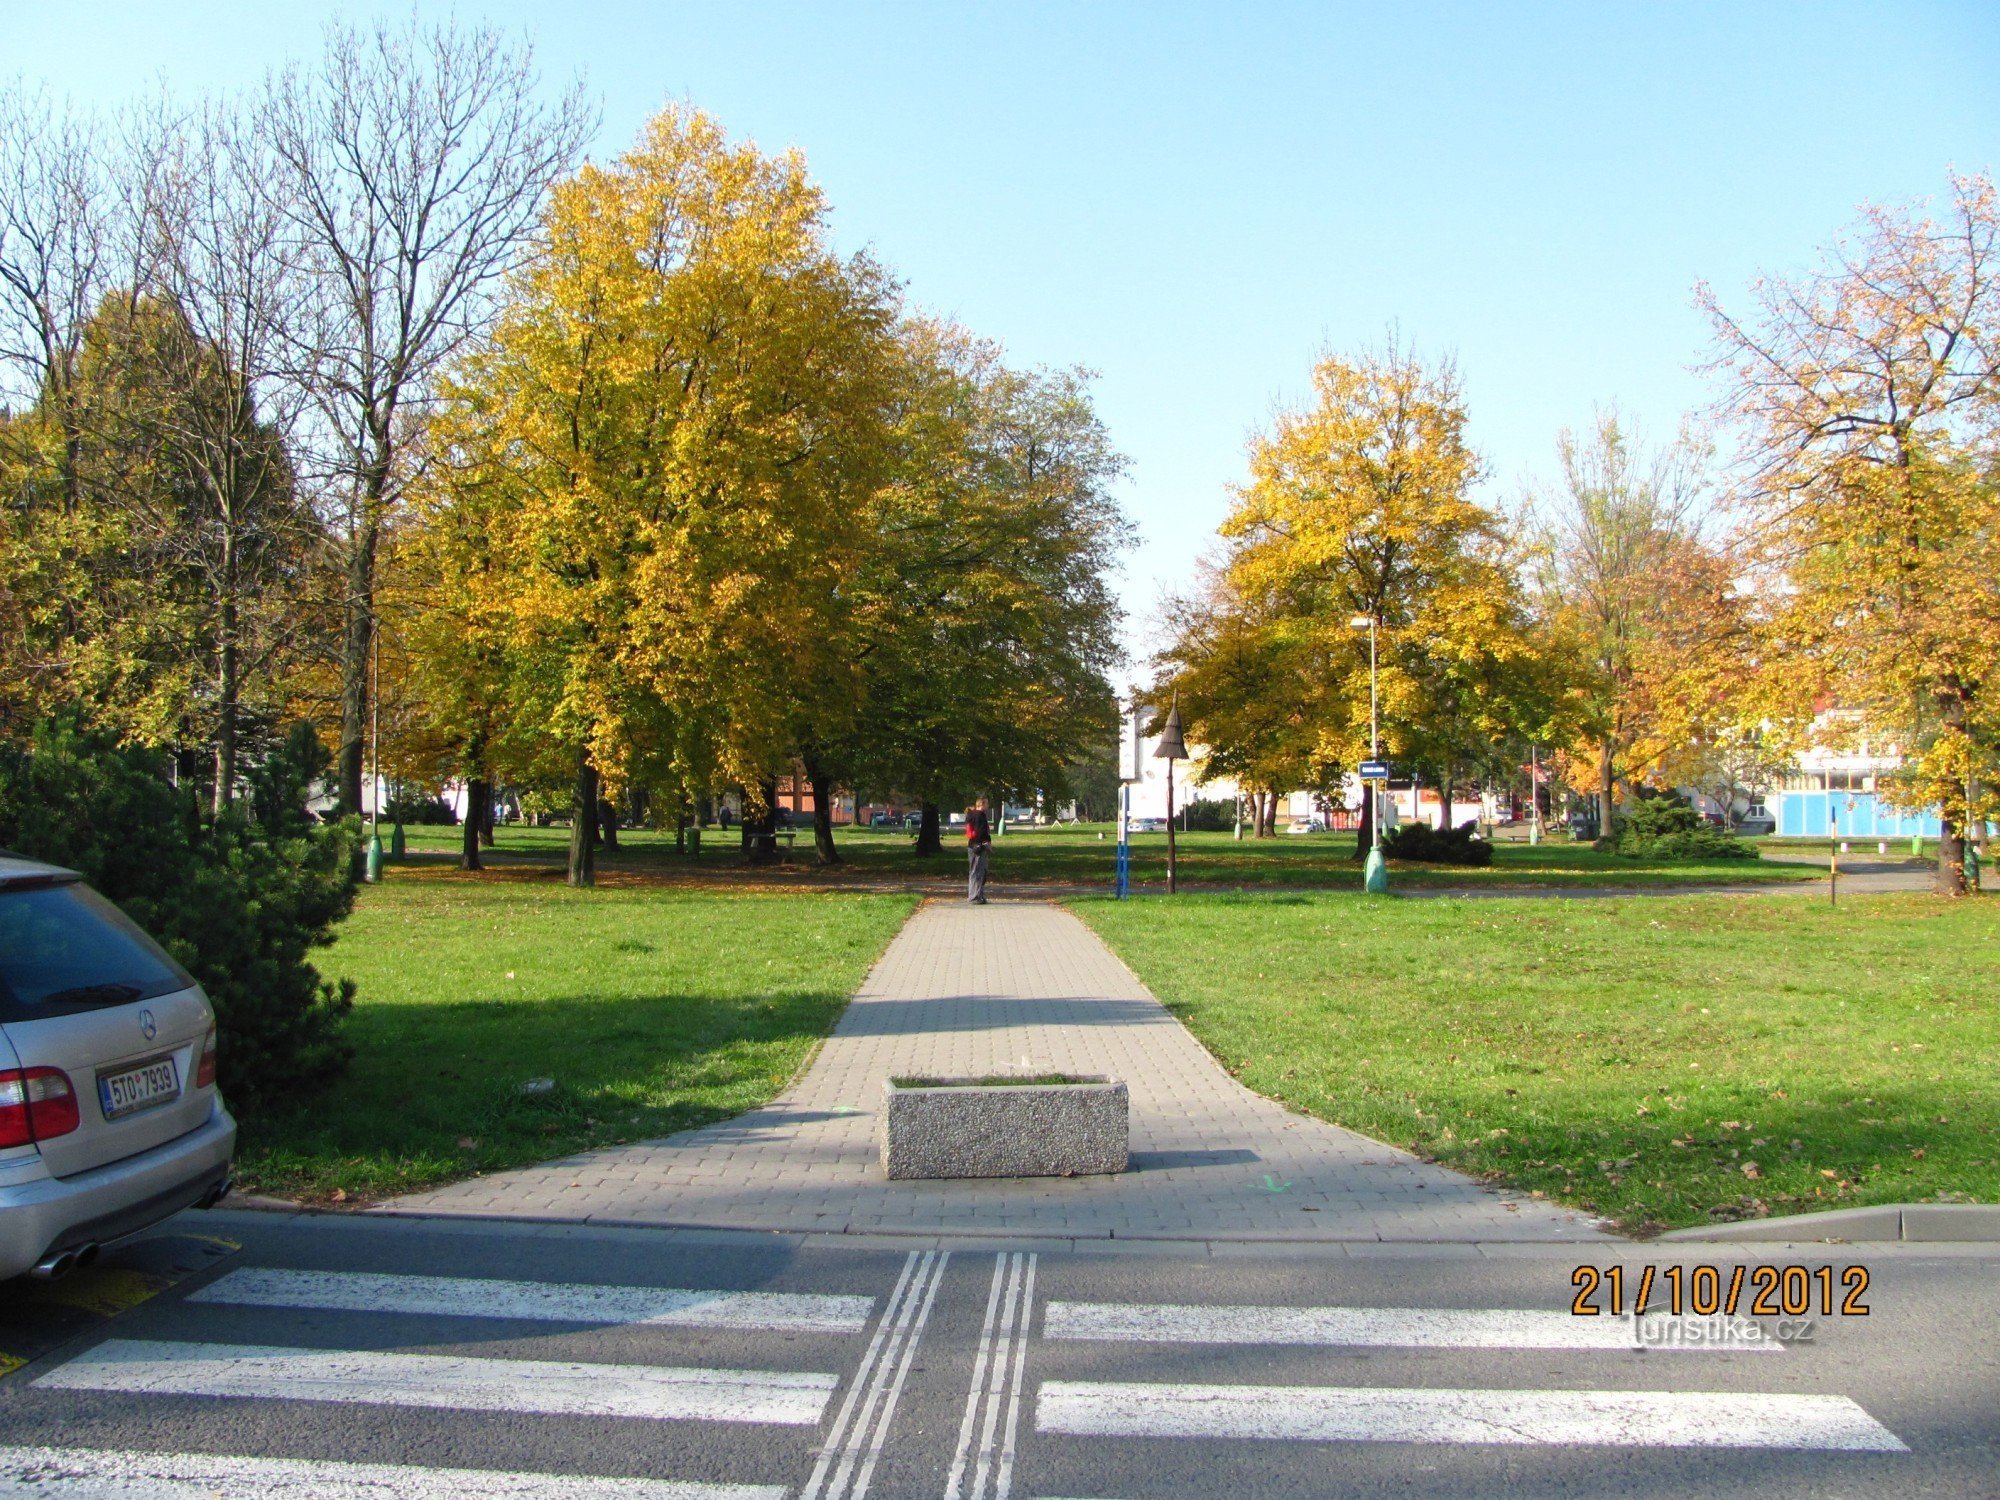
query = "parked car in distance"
{"x": 880, "y": 819}
{"x": 1307, "y": 825}
{"x": 109, "y": 1116}
{"x": 1147, "y": 825}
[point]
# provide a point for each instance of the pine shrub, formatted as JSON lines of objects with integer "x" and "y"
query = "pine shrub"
{"x": 240, "y": 900}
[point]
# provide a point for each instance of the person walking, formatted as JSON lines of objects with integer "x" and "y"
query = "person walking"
{"x": 978, "y": 840}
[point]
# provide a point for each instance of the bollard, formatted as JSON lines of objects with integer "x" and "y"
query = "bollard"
{"x": 373, "y": 866}
{"x": 1375, "y": 874}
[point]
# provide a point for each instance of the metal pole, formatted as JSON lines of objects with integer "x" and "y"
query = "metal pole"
{"x": 1374, "y": 730}
{"x": 1534, "y": 794}
{"x": 1170, "y": 825}
{"x": 1124, "y": 859}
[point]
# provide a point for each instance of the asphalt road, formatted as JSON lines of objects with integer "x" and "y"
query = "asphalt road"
{"x": 382, "y": 1358}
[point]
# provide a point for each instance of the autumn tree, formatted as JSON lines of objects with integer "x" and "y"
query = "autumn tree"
{"x": 1238, "y": 680}
{"x": 72, "y": 247}
{"x": 410, "y": 168}
{"x": 1633, "y": 598}
{"x": 1867, "y": 392}
{"x": 982, "y": 620}
{"x": 1358, "y": 504}
{"x": 664, "y": 447}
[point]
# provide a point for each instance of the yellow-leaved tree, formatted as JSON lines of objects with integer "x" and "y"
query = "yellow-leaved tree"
{"x": 648, "y": 470}
{"x": 1868, "y": 395}
{"x": 1359, "y": 505}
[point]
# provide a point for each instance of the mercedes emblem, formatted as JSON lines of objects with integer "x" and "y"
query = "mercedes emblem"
{"x": 148, "y": 1027}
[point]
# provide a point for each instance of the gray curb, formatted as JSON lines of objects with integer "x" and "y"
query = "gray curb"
{"x": 1926, "y": 1222}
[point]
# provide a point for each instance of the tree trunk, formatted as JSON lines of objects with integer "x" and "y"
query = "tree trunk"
{"x": 1952, "y": 831}
{"x": 822, "y": 790}
{"x": 1444, "y": 800}
{"x": 486, "y": 819}
{"x": 607, "y": 822}
{"x": 478, "y": 808}
{"x": 356, "y": 641}
{"x": 225, "y": 676}
{"x": 928, "y": 840}
{"x": 1607, "y": 792}
{"x": 583, "y": 822}
{"x": 760, "y": 834}
{"x": 1364, "y": 836}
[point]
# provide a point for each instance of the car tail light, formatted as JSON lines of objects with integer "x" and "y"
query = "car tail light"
{"x": 204, "y": 1073}
{"x": 36, "y": 1104}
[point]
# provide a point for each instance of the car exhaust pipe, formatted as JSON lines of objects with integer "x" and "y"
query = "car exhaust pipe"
{"x": 217, "y": 1193}
{"x": 85, "y": 1255}
{"x": 55, "y": 1266}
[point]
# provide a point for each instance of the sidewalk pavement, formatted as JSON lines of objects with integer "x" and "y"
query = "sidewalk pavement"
{"x": 1017, "y": 985}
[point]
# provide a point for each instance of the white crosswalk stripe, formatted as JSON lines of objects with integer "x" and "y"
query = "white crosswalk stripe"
{"x": 1673, "y": 1419}
{"x": 778, "y": 1398}
{"x": 112, "y": 1474}
{"x": 476, "y": 1297}
{"x": 1424, "y": 1414}
{"x": 1373, "y": 1327}
{"x": 453, "y": 1382}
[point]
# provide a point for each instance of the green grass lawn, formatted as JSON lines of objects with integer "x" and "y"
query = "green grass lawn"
{"x": 1665, "y": 1061}
{"x": 651, "y": 1009}
{"x": 1078, "y": 855}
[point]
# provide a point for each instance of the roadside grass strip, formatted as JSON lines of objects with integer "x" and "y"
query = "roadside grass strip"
{"x": 1333, "y": 1414}
{"x": 847, "y": 1460}
{"x": 448, "y": 1382}
{"x": 112, "y": 1474}
{"x": 996, "y": 1384}
{"x": 475, "y": 1297}
{"x": 1376, "y": 1327}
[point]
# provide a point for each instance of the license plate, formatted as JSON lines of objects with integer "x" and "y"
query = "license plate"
{"x": 149, "y": 1084}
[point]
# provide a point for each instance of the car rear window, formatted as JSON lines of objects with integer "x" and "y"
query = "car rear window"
{"x": 64, "y": 948}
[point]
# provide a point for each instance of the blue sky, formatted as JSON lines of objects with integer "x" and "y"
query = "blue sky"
{"x": 1196, "y": 199}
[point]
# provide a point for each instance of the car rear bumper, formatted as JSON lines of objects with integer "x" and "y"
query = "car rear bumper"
{"x": 46, "y": 1214}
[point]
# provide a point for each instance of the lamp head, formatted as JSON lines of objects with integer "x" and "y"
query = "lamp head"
{"x": 1361, "y": 622}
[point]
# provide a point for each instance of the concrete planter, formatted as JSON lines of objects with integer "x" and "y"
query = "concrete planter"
{"x": 968, "y": 1128}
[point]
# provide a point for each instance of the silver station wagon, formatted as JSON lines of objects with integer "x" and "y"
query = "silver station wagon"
{"x": 109, "y": 1116}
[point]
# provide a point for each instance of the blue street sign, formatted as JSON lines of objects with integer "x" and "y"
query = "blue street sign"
{"x": 1374, "y": 770}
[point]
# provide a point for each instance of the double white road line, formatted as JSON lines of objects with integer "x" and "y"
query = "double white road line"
{"x": 996, "y": 1385}
{"x": 847, "y": 1462}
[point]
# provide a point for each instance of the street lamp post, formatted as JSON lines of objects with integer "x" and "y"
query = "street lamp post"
{"x": 1375, "y": 873}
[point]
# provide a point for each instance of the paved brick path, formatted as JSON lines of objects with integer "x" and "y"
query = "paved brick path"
{"x": 1018, "y": 985}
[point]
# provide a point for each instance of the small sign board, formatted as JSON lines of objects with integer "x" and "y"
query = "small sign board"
{"x": 1132, "y": 742}
{"x": 1374, "y": 770}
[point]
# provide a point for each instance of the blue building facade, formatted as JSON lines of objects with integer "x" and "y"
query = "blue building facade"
{"x": 1855, "y": 815}
{"x": 1812, "y": 814}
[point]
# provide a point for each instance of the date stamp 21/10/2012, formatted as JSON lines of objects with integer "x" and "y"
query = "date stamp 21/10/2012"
{"x": 1704, "y": 1291}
